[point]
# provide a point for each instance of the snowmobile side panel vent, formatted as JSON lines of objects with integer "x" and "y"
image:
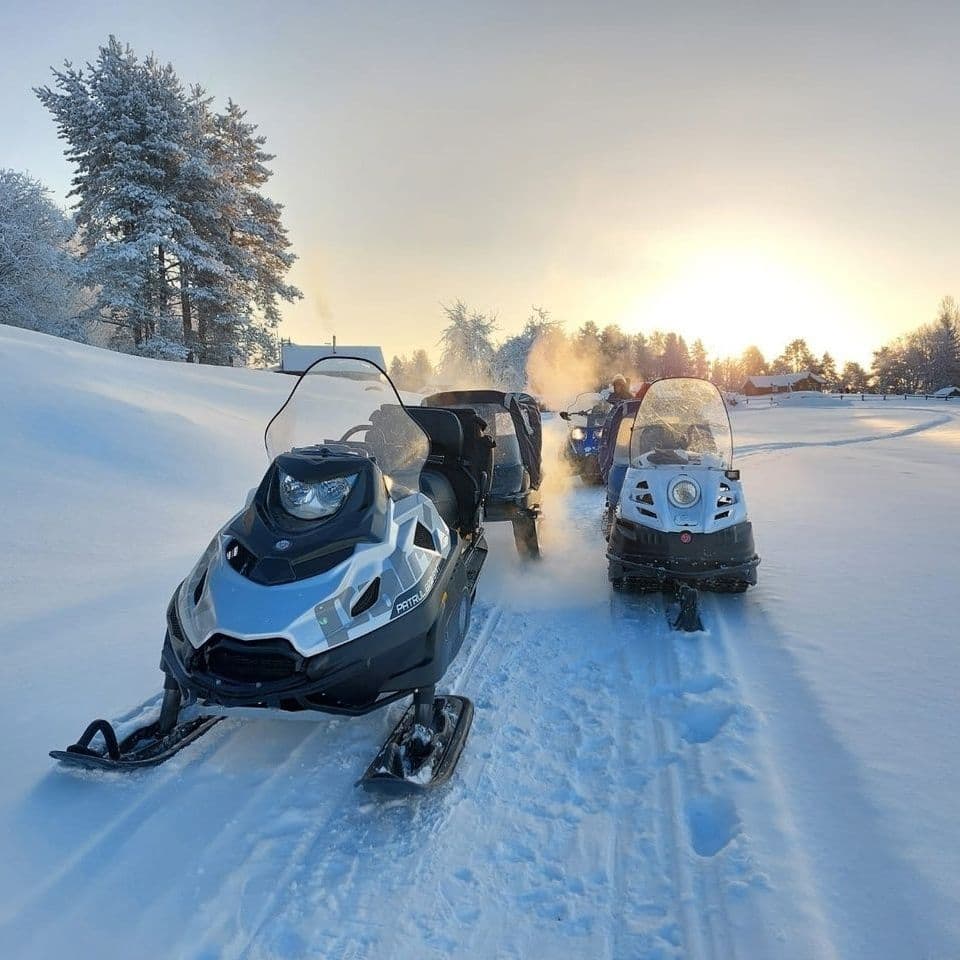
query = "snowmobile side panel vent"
{"x": 647, "y": 513}
{"x": 643, "y": 485}
{"x": 240, "y": 558}
{"x": 423, "y": 538}
{"x": 250, "y": 662}
{"x": 645, "y": 498}
{"x": 198, "y": 590}
{"x": 722, "y": 514}
{"x": 367, "y": 599}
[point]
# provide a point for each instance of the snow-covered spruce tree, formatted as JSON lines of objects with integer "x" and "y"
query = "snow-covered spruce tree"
{"x": 510, "y": 365}
{"x": 943, "y": 338}
{"x": 124, "y": 122}
{"x": 38, "y": 276}
{"x": 252, "y": 243}
{"x": 187, "y": 256}
{"x": 467, "y": 346}
{"x": 699, "y": 362}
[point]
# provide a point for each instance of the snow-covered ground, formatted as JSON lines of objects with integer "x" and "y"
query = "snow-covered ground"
{"x": 781, "y": 786}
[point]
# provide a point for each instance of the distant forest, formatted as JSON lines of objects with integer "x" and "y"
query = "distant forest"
{"x": 543, "y": 356}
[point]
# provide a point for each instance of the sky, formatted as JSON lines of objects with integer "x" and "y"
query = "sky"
{"x": 739, "y": 172}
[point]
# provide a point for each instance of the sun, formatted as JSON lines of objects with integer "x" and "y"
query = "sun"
{"x": 732, "y": 298}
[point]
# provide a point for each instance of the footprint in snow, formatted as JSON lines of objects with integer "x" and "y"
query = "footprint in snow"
{"x": 713, "y": 822}
{"x": 701, "y": 722}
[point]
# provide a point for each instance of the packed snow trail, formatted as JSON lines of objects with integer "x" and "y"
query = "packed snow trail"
{"x": 780, "y": 785}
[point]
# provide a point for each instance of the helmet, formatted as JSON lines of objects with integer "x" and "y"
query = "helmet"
{"x": 619, "y": 378}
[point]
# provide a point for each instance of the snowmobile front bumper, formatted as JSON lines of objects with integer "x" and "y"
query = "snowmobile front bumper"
{"x": 585, "y": 463}
{"x": 353, "y": 678}
{"x": 727, "y": 556}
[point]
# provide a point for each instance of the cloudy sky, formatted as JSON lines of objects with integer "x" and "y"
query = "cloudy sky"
{"x": 742, "y": 172}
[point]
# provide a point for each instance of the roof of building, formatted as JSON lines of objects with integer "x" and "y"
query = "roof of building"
{"x": 784, "y": 379}
{"x": 296, "y": 357}
{"x": 947, "y": 392}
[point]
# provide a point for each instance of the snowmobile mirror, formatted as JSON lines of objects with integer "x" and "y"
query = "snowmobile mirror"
{"x": 732, "y": 474}
{"x": 564, "y": 415}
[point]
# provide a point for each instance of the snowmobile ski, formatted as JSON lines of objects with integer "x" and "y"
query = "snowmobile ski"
{"x": 688, "y": 617}
{"x": 142, "y": 748}
{"x": 414, "y": 759}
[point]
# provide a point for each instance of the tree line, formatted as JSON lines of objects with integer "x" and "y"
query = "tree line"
{"x": 173, "y": 250}
{"x": 922, "y": 361}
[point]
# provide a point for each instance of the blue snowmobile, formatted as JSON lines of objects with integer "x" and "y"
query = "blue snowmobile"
{"x": 586, "y": 416}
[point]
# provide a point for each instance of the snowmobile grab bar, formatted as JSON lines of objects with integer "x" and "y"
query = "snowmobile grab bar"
{"x": 103, "y": 727}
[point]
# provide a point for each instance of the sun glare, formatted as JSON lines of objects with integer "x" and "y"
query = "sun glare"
{"x": 734, "y": 298}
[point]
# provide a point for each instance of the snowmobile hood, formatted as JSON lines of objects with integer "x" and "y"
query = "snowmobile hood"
{"x": 651, "y": 497}
{"x": 362, "y": 591}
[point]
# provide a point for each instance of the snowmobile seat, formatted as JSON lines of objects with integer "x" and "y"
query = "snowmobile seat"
{"x": 655, "y": 436}
{"x": 459, "y": 465}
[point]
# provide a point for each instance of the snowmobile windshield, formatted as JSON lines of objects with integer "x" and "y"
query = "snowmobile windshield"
{"x": 682, "y": 420}
{"x": 351, "y": 407}
{"x": 588, "y": 410}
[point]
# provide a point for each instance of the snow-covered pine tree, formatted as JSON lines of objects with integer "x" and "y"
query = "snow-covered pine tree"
{"x": 753, "y": 362}
{"x": 124, "y": 123}
{"x": 253, "y": 243}
{"x": 467, "y": 343}
{"x": 187, "y": 254}
{"x": 943, "y": 338}
{"x": 699, "y": 364}
{"x": 38, "y": 277}
{"x": 827, "y": 368}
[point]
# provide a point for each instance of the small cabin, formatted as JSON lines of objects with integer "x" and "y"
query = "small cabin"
{"x": 297, "y": 357}
{"x": 783, "y": 383}
{"x": 947, "y": 393}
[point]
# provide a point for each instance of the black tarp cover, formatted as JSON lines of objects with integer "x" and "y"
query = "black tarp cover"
{"x": 523, "y": 410}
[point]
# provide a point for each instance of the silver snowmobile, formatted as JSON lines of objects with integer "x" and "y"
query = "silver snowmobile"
{"x": 680, "y": 520}
{"x": 345, "y": 583}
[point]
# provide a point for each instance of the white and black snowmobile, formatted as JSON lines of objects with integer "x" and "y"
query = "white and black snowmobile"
{"x": 345, "y": 583}
{"x": 680, "y": 523}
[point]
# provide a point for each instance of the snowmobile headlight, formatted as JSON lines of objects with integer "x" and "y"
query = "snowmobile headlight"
{"x": 577, "y": 433}
{"x": 314, "y": 501}
{"x": 683, "y": 492}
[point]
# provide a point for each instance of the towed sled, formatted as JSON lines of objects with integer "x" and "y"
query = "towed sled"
{"x": 344, "y": 585}
{"x": 513, "y": 422}
{"x": 676, "y": 517}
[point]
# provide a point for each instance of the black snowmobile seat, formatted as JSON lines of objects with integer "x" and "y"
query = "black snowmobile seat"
{"x": 656, "y": 436}
{"x": 456, "y": 475}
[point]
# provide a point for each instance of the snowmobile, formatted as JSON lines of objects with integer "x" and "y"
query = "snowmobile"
{"x": 344, "y": 585}
{"x": 513, "y": 421}
{"x": 614, "y": 455}
{"x": 680, "y": 521}
{"x": 586, "y": 416}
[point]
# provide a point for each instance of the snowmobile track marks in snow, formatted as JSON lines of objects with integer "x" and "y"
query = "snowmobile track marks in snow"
{"x": 101, "y": 846}
{"x": 264, "y": 896}
{"x": 751, "y": 449}
{"x": 680, "y": 782}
